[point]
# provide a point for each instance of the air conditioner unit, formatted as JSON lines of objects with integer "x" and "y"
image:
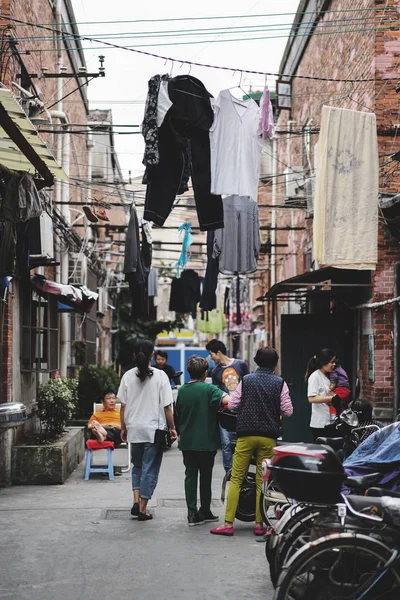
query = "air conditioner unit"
{"x": 294, "y": 183}
{"x": 102, "y": 301}
{"x": 41, "y": 244}
{"x": 77, "y": 268}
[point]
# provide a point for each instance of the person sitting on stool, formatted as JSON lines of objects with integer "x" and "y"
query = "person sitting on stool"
{"x": 106, "y": 424}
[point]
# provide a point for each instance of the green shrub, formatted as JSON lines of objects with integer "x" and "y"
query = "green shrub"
{"x": 56, "y": 405}
{"x": 93, "y": 382}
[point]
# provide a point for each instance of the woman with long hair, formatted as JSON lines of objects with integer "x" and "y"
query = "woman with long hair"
{"x": 146, "y": 399}
{"x": 319, "y": 394}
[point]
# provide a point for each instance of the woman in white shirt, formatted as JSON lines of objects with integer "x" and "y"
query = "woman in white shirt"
{"x": 319, "y": 367}
{"x": 146, "y": 398}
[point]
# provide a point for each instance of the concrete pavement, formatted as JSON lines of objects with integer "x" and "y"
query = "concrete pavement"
{"x": 78, "y": 542}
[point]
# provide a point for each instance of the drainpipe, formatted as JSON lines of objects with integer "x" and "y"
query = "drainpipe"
{"x": 62, "y": 193}
{"x": 273, "y": 216}
{"x": 292, "y": 223}
{"x": 396, "y": 332}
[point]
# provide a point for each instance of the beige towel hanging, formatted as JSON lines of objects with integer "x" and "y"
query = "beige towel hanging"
{"x": 346, "y": 190}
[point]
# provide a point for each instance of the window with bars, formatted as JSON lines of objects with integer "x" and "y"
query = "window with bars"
{"x": 39, "y": 343}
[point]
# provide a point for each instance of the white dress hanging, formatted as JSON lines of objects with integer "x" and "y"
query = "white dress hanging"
{"x": 235, "y": 146}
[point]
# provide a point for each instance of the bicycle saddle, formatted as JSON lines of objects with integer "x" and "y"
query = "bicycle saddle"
{"x": 377, "y": 492}
{"x": 334, "y": 443}
{"x": 362, "y": 482}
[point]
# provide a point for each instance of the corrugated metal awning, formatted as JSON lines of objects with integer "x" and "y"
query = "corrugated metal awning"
{"x": 21, "y": 147}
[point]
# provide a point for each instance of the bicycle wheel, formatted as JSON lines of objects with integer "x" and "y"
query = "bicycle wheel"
{"x": 270, "y": 498}
{"x": 337, "y": 567}
{"x": 296, "y": 536}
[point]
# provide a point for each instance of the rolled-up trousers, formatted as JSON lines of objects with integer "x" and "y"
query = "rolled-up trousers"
{"x": 164, "y": 179}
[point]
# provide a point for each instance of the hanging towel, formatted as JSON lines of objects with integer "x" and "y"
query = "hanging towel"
{"x": 346, "y": 195}
{"x": 186, "y": 229}
{"x": 267, "y": 127}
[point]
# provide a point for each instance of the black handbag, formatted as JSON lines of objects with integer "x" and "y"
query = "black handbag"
{"x": 162, "y": 438}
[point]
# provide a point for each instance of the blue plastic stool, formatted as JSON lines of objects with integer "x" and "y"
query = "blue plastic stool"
{"x": 92, "y": 446}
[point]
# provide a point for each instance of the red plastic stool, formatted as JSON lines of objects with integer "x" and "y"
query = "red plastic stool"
{"x": 92, "y": 446}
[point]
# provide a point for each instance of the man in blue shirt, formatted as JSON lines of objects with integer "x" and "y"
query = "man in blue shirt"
{"x": 226, "y": 375}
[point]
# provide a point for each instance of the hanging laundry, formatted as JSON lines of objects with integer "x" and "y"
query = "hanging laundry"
{"x": 8, "y": 243}
{"x": 183, "y": 142}
{"x": 186, "y": 229}
{"x": 185, "y": 293}
{"x": 209, "y": 297}
{"x": 235, "y": 146}
{"x": 239, "y": 306}
{"x": 346, "y": 194}
{"x": 149, "y": 126}
{"x": 147, "y": 228}
{"x": 137, "y": 264}
{"x": 153, "y": 282}
{"x": 19, "y": 199}
{"x": 163, "y": 300}
{"x": 226, "y": 301}
{"x": 267, "y": 125}
{"x": 237, "y": 245}
{"x": 211, "y": 322}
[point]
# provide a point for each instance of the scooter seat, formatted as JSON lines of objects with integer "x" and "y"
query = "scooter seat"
{"x": 334, "y": 443}
{"x": 362, "y": 482}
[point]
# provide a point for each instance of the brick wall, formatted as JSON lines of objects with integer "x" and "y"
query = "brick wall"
{"x": 353, "y": 55}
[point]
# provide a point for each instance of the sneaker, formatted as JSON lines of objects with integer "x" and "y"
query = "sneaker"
{"x": 195, "y": 519}
{"x": 135, "y": 510}
{"x": 207, "y": 516}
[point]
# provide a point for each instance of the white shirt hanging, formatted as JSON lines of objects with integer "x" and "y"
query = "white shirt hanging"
{"x": 235, "y": 146}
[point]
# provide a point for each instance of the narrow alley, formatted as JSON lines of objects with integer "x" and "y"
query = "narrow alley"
{"x": 78, "y": 541}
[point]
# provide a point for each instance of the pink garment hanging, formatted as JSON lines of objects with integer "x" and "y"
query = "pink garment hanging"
{"x": 267, "y": 126}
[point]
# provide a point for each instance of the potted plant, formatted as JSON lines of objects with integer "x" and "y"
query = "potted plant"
{"x": 51, "y": 455}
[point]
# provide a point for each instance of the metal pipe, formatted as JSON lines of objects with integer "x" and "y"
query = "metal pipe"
{"x": 396, "y": 332}
{"x": 273, "y": 215}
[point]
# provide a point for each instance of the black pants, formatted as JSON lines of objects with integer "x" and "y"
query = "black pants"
{"x": 198, "y": 462}
{"x": 165, "y": 178}
{"x": 113, "y": 435}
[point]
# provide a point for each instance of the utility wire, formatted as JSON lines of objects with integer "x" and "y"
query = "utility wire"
{"x": 213, "y": 18}
{"x": 174, "y": 60}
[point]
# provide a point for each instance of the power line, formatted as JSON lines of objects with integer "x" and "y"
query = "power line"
{"x": 213, "y": 18}
{"x": 339, "y": 23}
{"x": 174, "y": 60}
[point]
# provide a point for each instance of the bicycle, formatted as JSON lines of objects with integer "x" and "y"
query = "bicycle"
{"x": 346, "y": 565}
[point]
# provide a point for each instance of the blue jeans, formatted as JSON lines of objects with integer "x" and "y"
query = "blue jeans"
{"x": 146, "y": 461}
{"x": 226, "y": 448}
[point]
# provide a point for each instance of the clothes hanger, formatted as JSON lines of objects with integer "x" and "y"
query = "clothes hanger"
{"x": 347, "y": 97}
{"x": 238, "y": 100}
{"x": 187, "y": 76}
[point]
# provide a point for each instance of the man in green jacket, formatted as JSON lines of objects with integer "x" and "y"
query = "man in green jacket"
{"x": 196, "y": 414}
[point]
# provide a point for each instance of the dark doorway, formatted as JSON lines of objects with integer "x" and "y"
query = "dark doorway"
{"x": 301, "y": 337}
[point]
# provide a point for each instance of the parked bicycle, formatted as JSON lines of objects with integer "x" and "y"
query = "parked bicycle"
{"x": 363, "y": 564}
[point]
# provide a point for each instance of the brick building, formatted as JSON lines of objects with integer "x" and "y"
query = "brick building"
{"x": 308, "y": 307}
{"x": 46, "y": 72}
